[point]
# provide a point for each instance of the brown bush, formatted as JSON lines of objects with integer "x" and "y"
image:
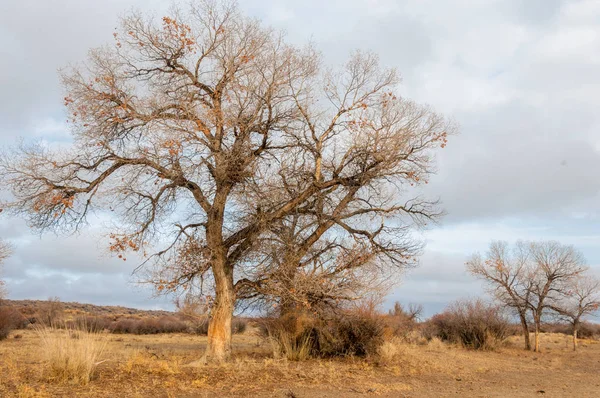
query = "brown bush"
{"x": 50, "y": 313}
{"x": 588, "y": 330}
{"x": 473, "y": 324}
{"x": 165, "y": 324}
{"x": 239, "y": 325}
{"x": 352, "y": 332}
{"x": 91, "y": 324}
{"x": 9, "y": 319}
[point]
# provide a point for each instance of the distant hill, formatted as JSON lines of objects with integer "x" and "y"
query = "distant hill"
{"x": 30, "y": 307}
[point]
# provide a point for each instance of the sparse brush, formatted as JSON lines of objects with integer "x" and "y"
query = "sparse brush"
{"x": 473, "y": 324}
{"x": 71, "y": 355}
{"x": 388, "y": 351}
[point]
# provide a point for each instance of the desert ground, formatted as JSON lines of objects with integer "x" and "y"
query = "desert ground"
{"x": 156, "y": 366}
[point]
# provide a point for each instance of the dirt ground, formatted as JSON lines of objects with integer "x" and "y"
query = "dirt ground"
{"x": 155, "y": 366}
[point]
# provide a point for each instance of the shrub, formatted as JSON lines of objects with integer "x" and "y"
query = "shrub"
{"x": 299, "y": 336}
{"x": 8, "y": 320}
{"x": 473, "y": 324}
{"x": 51, "y": 312}
{"x": 588, "y": 330}
{"x": 238, "y": 325}
{"x": 164, "y": 324}
{"x": 71, "y": 355}
{"x": 357, "y": 334}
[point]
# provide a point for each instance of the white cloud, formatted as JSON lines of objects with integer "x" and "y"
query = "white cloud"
{"x": 521, "y": 77}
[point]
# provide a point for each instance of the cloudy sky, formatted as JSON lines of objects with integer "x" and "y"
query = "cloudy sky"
{"x": 521, "y": 77}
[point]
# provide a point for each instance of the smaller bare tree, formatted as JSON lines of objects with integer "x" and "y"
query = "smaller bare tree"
{"x": 581, "y": 298}
{"x": 556, "y": 267}
{"x": 510, "y": 276}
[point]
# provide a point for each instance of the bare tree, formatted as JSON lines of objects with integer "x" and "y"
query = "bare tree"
{"x": 510, "y": 276}
{"x": 411, "y": 313}
{"x": 529, "y": 278}
{"x": 203, "y": 132}
{"x": 580, "y": 298}
{"x": 556, "y": 267}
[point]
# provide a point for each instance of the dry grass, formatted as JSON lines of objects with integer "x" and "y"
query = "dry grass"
{"x": 155, "y": 365}
{"x": 291, "y": 347}
{"x": 71, "y": 355}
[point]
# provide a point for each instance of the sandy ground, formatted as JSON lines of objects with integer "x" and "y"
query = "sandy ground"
{"x": 155, "y": 366}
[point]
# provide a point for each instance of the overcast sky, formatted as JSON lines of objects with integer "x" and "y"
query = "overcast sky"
{"x": 522, "y": 78}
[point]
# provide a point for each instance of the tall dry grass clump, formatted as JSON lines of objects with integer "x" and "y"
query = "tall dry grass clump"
{"x": 71, "y": 355}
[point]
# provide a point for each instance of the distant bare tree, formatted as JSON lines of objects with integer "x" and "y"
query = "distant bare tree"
{"x": 556, "y": 267}
{"x": 529, "y": 278}
{"x": 581, "y": 297}
{"x": 50, "y": 313}
{"x": 510, "y": 276}
{"x": 206, "y": 130}
{"x": 412, "y": 313}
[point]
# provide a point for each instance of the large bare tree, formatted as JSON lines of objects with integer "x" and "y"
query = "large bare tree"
{"x": 204, "y": 131}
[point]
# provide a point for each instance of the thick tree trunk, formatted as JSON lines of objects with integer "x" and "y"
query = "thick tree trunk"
{"x": 219, "y": 328}
{"x": 525, "y": 333}
{"x": 574, "y": 339}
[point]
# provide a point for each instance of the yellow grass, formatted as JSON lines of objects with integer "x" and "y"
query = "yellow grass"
{"x": 141, "y": 366}
{"x": 71, "y": 355}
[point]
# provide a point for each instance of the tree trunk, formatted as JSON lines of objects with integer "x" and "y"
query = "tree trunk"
{"x": 575, "y": 339}
{"x": 537, "y": 337}
{"x": 219, "y": 328}
{"x": 525, "y": 333}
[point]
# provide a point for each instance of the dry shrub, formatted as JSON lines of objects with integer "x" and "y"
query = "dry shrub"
{"x": 71, "y": 355}
{"x": 50, "y": 313}
{"x": 8, "y": 321}
{"x": 588, "y": 330}
{"x": 473, "y": 324}
{"x": 436, "y": 344}
{"x": 358, "y": 333}
{"x": 388, "y": 351}
{"x": 351, "y": 332}
{"x": 165, "y": 324}
{"x": 239, "y": 325}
